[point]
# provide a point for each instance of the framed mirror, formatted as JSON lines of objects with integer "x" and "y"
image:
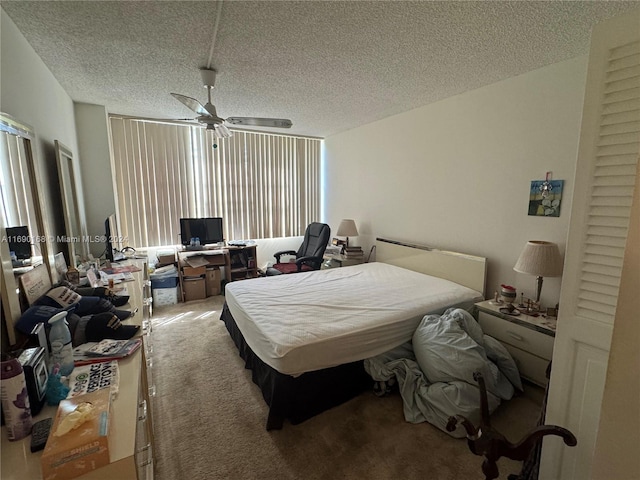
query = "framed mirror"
{"x": 23, "y": 223}
{"x": 77, "y": 250}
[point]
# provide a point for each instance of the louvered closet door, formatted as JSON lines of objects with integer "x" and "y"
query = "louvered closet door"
{"x": 604, "y": 184}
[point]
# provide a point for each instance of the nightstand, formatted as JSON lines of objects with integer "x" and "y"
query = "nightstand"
{"x": 528, "y": 339}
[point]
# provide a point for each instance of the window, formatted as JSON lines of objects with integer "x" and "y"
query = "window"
{"x": 262, "y": 185}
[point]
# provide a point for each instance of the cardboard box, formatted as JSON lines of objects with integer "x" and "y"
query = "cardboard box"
{"x": 212, "y": 281}
{"x": 166, "y": 257}
{"x": 195, "y": 261}
{"x": 215, "y": 260}
{"x": 83, "y": 449}
{"x": 194, "y": 289}
{"x": 188, "y": 271}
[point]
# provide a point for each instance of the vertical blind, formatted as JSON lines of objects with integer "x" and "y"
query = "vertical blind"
{"x": 262, "y": 185}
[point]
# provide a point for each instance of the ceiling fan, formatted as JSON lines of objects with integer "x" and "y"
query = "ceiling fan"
{"x": 208, "y": 116}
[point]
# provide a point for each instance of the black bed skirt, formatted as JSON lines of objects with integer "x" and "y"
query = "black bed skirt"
{"x": 298, "y": 398}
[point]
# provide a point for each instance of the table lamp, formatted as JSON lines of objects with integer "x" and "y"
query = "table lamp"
{"x": 541, "y": 259}
{"x": 347, "y": 229}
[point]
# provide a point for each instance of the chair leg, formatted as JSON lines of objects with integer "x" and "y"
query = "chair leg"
{"x": 488, "y": 442}
{"x": 490, "y": 469}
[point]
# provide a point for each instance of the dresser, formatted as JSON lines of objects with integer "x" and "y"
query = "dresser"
{"x": 131, "y": 424}
{"x": 528, "y": 339}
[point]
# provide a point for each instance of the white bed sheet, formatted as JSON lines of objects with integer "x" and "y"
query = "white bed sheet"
{"x": 312, "y": 320}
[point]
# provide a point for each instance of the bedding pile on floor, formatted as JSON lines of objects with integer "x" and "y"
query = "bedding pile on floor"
{"x": 434, "y": 371}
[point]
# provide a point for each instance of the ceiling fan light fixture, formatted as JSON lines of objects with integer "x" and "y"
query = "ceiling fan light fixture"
{"x": 220, "y": 131}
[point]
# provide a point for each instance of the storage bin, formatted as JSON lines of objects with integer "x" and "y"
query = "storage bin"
{"x": 165, "y": 296}
{"x": 165, "y": 277}
{"x": 164, "y": 282}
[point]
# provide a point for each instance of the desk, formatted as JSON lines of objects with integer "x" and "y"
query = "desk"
{"x": 219, "y": 257}
{"x": 131, "y": 441}
{"x": 239, "y": 261}
{"x": 243, "y": 262}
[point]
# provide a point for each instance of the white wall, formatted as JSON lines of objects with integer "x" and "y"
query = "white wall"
{"x": 30, "y": 93}
{"x": 456, "y": 174}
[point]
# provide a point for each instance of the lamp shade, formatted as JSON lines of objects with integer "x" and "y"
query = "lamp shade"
{"x": 540, "y": 258}
{"x": 347, "y": 228}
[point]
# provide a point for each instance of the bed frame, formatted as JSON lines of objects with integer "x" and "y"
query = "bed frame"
{"x": 467, "y": 270}
{"x": 299, "y": 398}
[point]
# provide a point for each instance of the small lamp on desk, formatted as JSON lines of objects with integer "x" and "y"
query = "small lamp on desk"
{"x": 347, "y": 229}
{"x": 541, "y": 259}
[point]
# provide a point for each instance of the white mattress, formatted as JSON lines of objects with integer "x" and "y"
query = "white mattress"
{"x": 312, "y": 320}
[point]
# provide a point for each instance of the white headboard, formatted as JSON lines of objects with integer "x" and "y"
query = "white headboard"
{"x": 467, "y": 270}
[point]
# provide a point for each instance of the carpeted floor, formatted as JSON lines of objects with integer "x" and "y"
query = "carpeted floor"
{"x": 209, "y": 419}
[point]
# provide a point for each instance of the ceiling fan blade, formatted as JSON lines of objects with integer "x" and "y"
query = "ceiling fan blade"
{"x": 260, "y": 122}
{"x": 211, "y": 110}
{"x": 192, "y": 103}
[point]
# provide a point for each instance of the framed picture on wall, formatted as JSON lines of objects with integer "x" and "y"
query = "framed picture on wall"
{"x": 545, "y": 198}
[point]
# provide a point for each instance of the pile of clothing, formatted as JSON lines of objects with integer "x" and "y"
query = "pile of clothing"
{"x": 434, "y": 371}
{"x": 92, "y": 313}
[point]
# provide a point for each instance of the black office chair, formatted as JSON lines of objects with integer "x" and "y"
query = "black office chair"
{"x": 309, "y": 255}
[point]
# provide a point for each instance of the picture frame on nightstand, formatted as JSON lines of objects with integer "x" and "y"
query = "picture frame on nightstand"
{"x": 337, "y": 242}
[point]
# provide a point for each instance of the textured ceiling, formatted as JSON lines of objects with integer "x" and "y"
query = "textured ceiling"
{"x": 328, "y": 66}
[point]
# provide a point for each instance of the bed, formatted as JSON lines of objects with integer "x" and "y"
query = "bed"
{"x": 305, "y": 336}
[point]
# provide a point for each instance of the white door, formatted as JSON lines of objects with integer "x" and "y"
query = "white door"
{"x": 604, "y": 185}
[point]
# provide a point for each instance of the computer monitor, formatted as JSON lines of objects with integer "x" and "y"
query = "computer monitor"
{"x": 208, "y": 230}
{"x": 112, "y": 241}
{"x": 19, "y": 242}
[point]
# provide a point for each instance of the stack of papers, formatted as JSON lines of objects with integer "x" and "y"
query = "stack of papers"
{"x": 116, "y": 277}
{"x": 89, "y": 378}
{"x": 104, "y": 351}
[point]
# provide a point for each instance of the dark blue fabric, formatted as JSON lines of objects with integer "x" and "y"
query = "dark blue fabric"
{"x": 85, "y": 306}
{"x": 34, "y": 315}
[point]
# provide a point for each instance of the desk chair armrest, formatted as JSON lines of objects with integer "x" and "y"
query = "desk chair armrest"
{"x": 283, "y": 252}
{"x": 313, "y": 262}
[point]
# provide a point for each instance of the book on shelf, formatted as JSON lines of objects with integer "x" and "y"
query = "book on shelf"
{"x": 353, "y": 254}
